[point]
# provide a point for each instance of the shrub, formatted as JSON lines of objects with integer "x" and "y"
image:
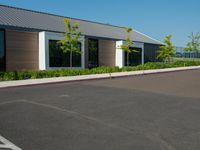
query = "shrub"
{"x": 21, "y": 75}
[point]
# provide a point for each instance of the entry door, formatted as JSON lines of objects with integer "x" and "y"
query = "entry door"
{"x": 2, "y": 51}
{"x": 135, "y": 58}
{"x": 93, "y": 53}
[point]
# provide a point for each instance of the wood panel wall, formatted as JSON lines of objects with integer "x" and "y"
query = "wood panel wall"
{"x": 22, "y": 50}
{"x": 107, "y": 52}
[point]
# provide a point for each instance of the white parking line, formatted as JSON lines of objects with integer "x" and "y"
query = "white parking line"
{"x": 7, "y": 144}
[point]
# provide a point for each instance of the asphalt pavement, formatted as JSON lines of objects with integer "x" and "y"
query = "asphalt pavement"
{"x": 149, "y": 112}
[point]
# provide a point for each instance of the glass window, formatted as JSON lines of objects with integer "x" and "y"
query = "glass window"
{"x": 93, "y": 53}
{"x": 2, "y": 51}
{"x": 135, "y": 58}
{"x": 59, "y": 59}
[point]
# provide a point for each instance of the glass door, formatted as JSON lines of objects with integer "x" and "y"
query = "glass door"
{"x": 93, "y": 51}
{"x": 2, "y": 51}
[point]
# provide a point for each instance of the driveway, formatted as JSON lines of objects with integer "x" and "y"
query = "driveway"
{"x": 150, "y": 112}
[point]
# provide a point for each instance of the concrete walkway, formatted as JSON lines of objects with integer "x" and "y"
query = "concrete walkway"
{"x": 6, "y": 84}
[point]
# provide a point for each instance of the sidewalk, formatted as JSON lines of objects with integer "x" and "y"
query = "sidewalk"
{"x": 18, "y": 83}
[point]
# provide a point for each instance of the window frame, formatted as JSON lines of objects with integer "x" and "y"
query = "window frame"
{"x": 44, "y": 38}
{"x": 4, "y": 36}
{"x": 93, "y": 39}
{"x": 131, "y": 54}
{"x": 68, "y": 66}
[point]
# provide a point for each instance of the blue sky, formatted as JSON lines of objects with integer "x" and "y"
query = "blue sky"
{"x": 156, "y": 18}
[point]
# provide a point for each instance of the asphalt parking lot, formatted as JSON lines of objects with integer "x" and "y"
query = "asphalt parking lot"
{"x": 150, "y": 112}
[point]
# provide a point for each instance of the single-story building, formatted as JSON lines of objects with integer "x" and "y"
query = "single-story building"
{"x": 28, "y": 41}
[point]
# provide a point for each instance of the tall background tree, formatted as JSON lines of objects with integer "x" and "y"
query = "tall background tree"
{"x": 194, "y": 44}
{"x": 128, "y": 44}
{"x": 70, "y": 43}
{"x": 166, "y": 51}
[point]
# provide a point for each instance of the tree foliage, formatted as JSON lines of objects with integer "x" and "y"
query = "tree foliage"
{"x": 166, "y": 51}
{"x": 127, "y": 46}
{"x": 128, "y": 42}
{"x": 71, "y": 39}
{"x": 194, "y": 43}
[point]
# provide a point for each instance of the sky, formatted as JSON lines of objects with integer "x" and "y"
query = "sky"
{"x": 156, "y": 18}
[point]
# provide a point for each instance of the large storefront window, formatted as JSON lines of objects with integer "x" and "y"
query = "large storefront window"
{"x": 93, "y": 58}
{"x": 2, "y": 51}
{"x": 135, "y": 58}
{"x": 59, "y": 59}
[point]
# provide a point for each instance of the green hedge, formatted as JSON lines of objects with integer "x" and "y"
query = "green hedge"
{"x": 20, "y": 75}
{"x": 185, "y": 59}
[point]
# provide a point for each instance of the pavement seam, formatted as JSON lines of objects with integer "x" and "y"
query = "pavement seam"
{"x": 13, "y": 101}
{"x": 128, "y": 130}
{"x": 140, "y": 90}
{"x": 159, "y": 139}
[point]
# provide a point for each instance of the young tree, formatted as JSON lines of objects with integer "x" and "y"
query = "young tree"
{"x": 194, "y": 44}
{"x": 166, "y": 51}
{"x": 127, "y": 46}
{"x": 70, "y": 43}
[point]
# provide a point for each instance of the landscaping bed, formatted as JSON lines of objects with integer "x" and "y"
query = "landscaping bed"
{"x": 21, "y": 75}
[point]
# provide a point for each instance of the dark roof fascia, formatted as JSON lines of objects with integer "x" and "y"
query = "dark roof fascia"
{"x": 103, "y": 38}
{"x": 19, "y": 28}
{"x": 38, "y": 30}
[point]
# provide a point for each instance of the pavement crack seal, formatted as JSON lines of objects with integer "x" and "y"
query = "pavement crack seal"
{"x": 13, "y": 101}
{"x": 151, "y": 137}
{"x": 64, "y": 96}
{"x": 160, "y": 140}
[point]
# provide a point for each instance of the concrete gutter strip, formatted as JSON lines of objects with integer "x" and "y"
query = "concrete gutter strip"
{"x": 5, "y": 84}
{"x": 144, "y": 72}
{"x": 16, "y": 83}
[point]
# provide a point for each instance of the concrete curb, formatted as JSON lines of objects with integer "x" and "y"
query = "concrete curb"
{"x": 29, "y": 82}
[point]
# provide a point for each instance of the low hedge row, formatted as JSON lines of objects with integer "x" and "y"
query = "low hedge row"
{"x": 20, "y": 75}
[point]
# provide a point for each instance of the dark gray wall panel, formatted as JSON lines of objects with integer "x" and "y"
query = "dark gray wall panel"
{"x": 150, "y": 52}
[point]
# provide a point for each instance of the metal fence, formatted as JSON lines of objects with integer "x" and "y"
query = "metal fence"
{"x": 182, "y": 54}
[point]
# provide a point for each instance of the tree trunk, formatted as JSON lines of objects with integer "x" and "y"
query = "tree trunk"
{"x": 168, "y": 59}
{"x": 70, "y": 59}
{"x": 127, "y": 61}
